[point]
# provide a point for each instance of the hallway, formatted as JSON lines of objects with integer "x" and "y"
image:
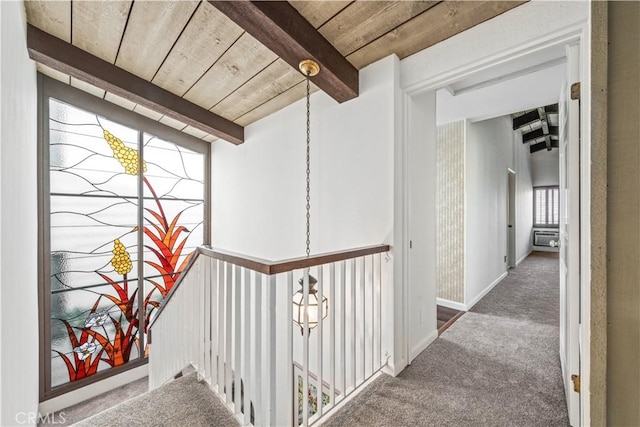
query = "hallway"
{"x": 498, "y": 365}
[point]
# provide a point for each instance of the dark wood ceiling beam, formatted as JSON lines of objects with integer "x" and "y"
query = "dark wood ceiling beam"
{"x": 533, "y": 135}
{"x": 551, "y": 109}
{"x": 539, "y": 133}
{"x": 64, "y": 57}
{"x": 538, "y": 146}
{"x": 281, "y": 28}
{"x": 525, "y": 119}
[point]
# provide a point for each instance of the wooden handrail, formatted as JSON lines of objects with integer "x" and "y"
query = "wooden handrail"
{"x": 276, "y": 267}
{"x": 269, "y": 267}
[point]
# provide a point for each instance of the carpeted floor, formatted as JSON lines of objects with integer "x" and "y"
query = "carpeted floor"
{"x": 183, "y": 402}
{"x": 498, "y": 365}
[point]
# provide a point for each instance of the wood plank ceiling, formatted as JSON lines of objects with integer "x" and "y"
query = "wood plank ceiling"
{"x": 194, "y": 51}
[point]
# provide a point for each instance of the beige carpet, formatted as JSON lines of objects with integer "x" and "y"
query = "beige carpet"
{"x": 184, "y": 402}
{"x": 498, "y": 365}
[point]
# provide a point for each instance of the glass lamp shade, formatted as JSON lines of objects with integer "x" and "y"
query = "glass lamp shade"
{"x": 315, "y": 308}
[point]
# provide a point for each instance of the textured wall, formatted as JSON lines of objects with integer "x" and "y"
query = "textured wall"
{"x": 623, "y": 215}
{"x": 450, "y": 211}
{"x": 598, "y": 313}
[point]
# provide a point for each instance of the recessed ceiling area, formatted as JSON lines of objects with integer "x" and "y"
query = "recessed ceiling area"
{"x": 526, "y": 83}
{"x": 195, "y": 52}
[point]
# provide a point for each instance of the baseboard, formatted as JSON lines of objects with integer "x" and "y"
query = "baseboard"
{"x": 451, "y": 304}
{"x": 424, "y": 343}
{"x": 486, "y": 291}
{"x": 524, "y": 257}
{"x": 545, "y": 249}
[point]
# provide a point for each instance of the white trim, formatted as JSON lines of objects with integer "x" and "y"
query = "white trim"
{"x": 486, "y": 291}
{"x": 451, "y": 304}
{"x": 524, "y": 257}
{"x": 93, "y": 390}
{"x": 419, "y": 347}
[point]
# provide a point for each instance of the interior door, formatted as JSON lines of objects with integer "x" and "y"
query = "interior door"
{"x": 569, "y": 112}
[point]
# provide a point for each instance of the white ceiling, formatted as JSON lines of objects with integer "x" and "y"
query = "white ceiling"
{"x": 529, "y": 82}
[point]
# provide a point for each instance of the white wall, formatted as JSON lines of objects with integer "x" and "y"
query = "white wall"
{"x": 491, "y": 148}
{"x": 523, "y": 165}
{"x": 258, "y": 193}
{"x": 546, "y": 168}
{"x": 258, "y": 188}
{"x": 18, "y": 221}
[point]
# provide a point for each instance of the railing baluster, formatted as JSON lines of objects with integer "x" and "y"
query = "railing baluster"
{"x": 256, "y": 362}
{"x": 354, "y": 338}
{"x": 332, "y": 334}
{"x": 228, "y": 378}
{"x": 379, "y": 292}
{"x": 207, "y": 323}
{"x": 215, "y": 284}
{"x": 343, "y": 325}
{"x": 290, "y": 408}
{"x": 270, "y": 350}
{"x": 237, "y": 340}
{"x": 370, "y": 285}
{"x": 221, "y": 336}
{"x": 320, "y": 340}
{"x": 305, "y": 349}
{"x": 247, "y": 350}
{"x": 363, "y": 317}
{"x": 201, "y": 328}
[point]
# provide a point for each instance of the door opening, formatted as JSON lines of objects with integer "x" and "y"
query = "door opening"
{"x": 511, "y": 218}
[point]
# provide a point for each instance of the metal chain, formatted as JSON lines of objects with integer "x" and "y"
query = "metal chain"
{"x": 308, "y": 165}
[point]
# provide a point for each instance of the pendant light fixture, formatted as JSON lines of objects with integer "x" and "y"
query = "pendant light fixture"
{"x": 317, "y": 306}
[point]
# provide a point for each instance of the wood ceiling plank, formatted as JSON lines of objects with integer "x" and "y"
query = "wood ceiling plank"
{"x": 269, "y": 83}
{"x": 204, "y": 40}
{"x": 246, "y": 58}
{"x": 286, "y": 98}
{"x": 364, "y": 21}
{"x": 66, "y": 58}
{"x": 318, "y": 12}
{"x": 53, "y": 17}
{"x": 442, "y": 21}
{"x": 152, "y": 29}
{"x": 279, "y": 27}
{"x": 97, "y": 26}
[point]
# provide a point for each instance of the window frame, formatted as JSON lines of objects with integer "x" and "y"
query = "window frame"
{"x": 535, "y": 206}
{"x": 50, "y": 88}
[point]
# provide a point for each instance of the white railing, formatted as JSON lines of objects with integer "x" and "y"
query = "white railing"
{"x": 231, "y": 317}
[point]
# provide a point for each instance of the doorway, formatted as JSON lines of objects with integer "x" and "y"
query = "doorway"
{"x": 414, "y": 191}
{"x": 511, "y": 218}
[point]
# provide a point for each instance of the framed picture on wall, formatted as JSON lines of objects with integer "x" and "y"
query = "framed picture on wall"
{"x": 312, "y": 393}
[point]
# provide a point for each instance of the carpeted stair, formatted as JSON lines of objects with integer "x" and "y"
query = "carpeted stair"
{"x": 182, "y": 402}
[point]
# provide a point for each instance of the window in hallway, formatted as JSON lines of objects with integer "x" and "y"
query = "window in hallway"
{"x": 122, "y": 206}
{"x": 546, "y": 206}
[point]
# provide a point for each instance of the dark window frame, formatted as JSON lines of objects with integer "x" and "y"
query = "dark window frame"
{"x": 549, "y": 207}
{"x": 50, "y": 88}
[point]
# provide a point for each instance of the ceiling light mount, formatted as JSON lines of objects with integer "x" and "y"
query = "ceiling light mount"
{"x": 309, "y": 67}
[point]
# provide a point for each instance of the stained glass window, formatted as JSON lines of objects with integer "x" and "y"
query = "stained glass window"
{"x": 124, "y": 207}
